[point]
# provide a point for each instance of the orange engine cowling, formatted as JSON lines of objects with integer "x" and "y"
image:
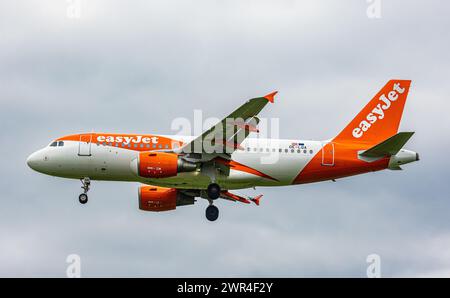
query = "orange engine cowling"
{"x": 153, "y": 198}
{"x": 160, "y": 165}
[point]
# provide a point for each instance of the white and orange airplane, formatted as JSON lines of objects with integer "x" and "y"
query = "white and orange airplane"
{"x": 178, "y": 169}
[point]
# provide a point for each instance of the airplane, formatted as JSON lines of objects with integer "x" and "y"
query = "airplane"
{"x": 175, "y": 170}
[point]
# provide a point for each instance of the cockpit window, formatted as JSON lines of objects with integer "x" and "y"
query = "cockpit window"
{"x": 60, "y": 143}
{"x": 54, "y": 144}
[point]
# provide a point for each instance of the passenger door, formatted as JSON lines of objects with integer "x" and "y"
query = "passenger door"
{"x": 84, "y": 147}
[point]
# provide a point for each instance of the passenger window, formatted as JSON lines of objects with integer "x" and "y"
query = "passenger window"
{"x": 54, "y": 144}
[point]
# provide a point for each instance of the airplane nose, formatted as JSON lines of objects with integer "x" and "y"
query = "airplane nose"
{"x": 33, "y": 161}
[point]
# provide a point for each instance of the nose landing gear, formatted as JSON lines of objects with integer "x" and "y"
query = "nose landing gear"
{"x": 83, "y": 198}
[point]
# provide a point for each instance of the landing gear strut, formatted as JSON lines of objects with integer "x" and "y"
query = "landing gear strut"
{"x": 83, "y": 198}
{"x": 212, "y": 213}
{"x": 213, "y": 191}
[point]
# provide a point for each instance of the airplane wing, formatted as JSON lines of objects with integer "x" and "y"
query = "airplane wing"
{"x": 225, "y": 195}
{"x": 226, "y": 136}
{"x": 233, "y": 197}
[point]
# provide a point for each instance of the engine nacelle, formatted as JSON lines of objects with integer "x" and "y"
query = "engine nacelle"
{"x": 153, "y": 198}
{"x": 160, "y": 165}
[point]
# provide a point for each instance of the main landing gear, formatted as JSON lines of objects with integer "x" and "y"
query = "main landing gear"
{"x": 213, "y": 192}
{"x": 212, "y": 213}
{"x": 83, "y": 198}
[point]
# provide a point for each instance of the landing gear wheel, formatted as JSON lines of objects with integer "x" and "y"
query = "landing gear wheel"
{"x": 212, "y": 213}
{"x": 213, "y": 191}
{"x": 83, "y": 198}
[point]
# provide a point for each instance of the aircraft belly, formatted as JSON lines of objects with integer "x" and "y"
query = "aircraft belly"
{"x": 194, "y": 180}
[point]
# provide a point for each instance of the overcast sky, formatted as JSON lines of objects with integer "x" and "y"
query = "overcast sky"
{"x": 134, "y": 66}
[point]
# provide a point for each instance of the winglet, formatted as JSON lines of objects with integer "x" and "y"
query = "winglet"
{"x": 270, "y": 97}
{"x": 256, "y": 199}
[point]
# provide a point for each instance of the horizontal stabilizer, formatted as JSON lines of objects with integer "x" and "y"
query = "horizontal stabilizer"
{"x": 389, "y": 147}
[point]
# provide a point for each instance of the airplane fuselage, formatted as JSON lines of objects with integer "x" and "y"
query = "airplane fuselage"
{"x": 261, "y": 162}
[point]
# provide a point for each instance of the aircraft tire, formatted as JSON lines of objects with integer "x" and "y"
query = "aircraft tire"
{"x": 83, "y": 198}
{"x": 213, "y": 191}
{"x": 212, "y": 213}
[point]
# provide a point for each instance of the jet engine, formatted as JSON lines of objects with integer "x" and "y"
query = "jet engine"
{"x": 153, "y": 198}
{"x": 160, "y": 165}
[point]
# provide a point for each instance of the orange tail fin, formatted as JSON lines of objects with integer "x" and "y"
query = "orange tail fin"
{"x": 380, "y": 118}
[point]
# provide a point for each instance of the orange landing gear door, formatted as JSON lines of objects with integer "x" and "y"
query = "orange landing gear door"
{"x": 328, "y": 154}
{"x": 84, "y": 147}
